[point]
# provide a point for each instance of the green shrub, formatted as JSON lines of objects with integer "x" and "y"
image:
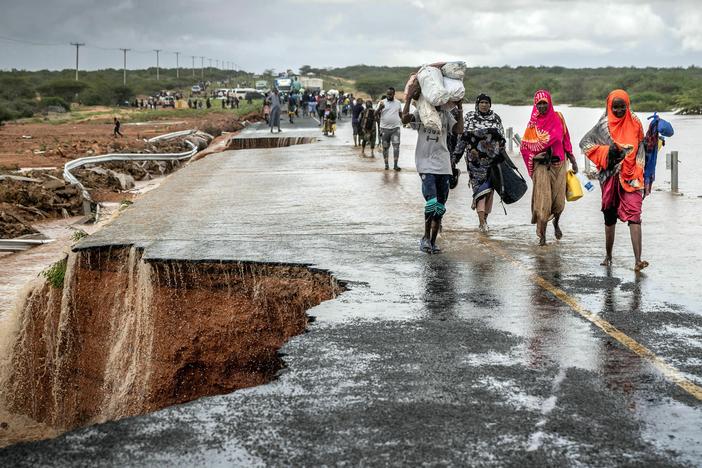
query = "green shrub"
{"x": 15, "y": 87}
{"x": 78, "y": 234}
{"x": 17, "y": 109}
{"x": 5, "y": 114}
{"x": 54, "y": 101}
{"x": 56, "y": 273}
{"x": 122, "y": 94}
{"x": 65, "y": 89}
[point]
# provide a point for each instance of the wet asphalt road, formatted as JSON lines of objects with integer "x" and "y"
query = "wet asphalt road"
{"x": 478, "y": 356}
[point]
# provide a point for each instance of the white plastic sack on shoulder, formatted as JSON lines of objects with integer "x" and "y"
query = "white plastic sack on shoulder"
{"x": 454, "y": 70}
{"x": 428, "y": 114}
{"x": 432, "y": 83}
{"x": 455, "y": 89}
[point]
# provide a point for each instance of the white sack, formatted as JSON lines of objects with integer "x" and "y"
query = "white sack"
{"x": 454, "y": 88}
{"x": 454, "y": 70}
{"x": 432, "y": 84}
{"x": 428, "y": 114}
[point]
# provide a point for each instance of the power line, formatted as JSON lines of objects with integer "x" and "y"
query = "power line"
{"x": 22, "y": 41}
{"x": 78, "y": 45}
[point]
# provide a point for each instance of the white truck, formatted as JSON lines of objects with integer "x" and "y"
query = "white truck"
{"x": 283, "y": 84}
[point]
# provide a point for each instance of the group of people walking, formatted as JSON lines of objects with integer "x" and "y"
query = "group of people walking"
{"x": 384, "y": 122}
{"x": 615, "y": 145}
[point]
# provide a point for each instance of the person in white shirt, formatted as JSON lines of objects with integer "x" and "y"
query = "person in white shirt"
{"x": 389, "y": 114}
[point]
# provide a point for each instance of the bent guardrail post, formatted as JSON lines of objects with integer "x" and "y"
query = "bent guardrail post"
{"x": 76, "y": 163}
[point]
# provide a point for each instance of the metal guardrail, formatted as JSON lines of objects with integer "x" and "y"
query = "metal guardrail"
{"x": 18, "y": 245}
{"x": 76, "y": 163}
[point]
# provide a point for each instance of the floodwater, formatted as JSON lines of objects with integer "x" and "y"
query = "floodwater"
{"x": 686, "y": 141}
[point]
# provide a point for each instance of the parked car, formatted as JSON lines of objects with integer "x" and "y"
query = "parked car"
{"x": 241, "y": 92}
{"x": 196, "y": 89}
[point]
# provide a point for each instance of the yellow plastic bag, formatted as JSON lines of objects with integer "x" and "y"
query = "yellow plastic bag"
{"x": 574, "y": 191}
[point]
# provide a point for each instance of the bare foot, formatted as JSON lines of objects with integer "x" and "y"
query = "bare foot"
{"x": 641, "y": 265}
{"x": 606, "y": 262}
{"x": 559, "y": 233}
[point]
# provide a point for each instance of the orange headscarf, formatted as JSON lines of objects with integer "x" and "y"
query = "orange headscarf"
{"x": 627, "y": 133}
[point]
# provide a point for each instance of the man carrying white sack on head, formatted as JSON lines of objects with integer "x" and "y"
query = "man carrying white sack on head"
{"x": 432, "y": 157}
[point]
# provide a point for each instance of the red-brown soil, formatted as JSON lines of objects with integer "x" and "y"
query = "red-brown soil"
{"x": 124, "y": 337}
{"x": 51, "y": 145}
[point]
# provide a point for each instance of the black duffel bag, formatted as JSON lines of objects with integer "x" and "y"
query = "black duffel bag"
{"x": 507, "y": 180}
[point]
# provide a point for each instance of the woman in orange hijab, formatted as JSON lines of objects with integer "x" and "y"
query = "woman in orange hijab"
{"x": 615, "y": 145}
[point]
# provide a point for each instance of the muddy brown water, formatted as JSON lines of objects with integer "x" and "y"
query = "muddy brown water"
{"x": 124, "y": 336}
{"x": 267, "y": 142}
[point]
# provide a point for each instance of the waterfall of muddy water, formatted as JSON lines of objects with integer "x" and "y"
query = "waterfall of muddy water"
{"x": 267, "y": 142}
{"x": 124, "y": 336}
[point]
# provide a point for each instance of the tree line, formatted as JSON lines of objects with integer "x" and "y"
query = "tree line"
{"x": 24, "y": 93}
{"x": 651, "y": 89}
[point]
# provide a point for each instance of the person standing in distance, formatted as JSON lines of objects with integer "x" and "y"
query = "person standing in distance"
{"x": 389, "y": 114}
{"x": 275, "y": 107}
{"x": 356, "y": 112}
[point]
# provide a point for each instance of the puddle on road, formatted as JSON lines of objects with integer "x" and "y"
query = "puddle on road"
{"x": 122, "y": 336}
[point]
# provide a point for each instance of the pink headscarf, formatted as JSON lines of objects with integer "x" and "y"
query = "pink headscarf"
{"x": 543, "y": 132}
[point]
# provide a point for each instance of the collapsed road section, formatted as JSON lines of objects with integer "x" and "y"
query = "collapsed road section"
{"x": 108, "y": 335}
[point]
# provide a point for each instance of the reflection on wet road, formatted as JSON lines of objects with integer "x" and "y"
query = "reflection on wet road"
{"x": 496, "y": 352}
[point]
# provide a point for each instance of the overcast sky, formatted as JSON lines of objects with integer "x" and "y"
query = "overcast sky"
{"x": 281, "y": 34}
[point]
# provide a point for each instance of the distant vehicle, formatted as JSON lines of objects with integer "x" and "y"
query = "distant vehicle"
{"x": 254, "y": 95}
{"x": 196, "y": 89}
{"x": 312, "y": 84}
{"x": 167, "y": 101}
{"x": 241, "y": 92}
{"x": 262, "y": 85}
{"x": 283, "y": 84}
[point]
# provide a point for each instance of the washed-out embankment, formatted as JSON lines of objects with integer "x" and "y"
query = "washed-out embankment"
{"x": 121, "y": 336}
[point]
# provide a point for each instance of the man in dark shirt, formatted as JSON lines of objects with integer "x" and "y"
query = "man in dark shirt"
{"x": 116, "y": 131}
{"x": 356, "y": 112}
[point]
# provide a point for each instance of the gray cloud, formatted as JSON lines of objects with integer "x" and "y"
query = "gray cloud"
{"x": 284, "y": 34}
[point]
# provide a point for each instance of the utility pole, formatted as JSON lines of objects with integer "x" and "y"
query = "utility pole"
{"x": 124, "y": 79}
{"x": 217, "y": 63}
{"x": 193, "y": 57}
{"x": 157, "y": 51}
{"x": 78, "y": 45}
{"x": 177, "y": 65}
{"x": 202, "y": 68}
